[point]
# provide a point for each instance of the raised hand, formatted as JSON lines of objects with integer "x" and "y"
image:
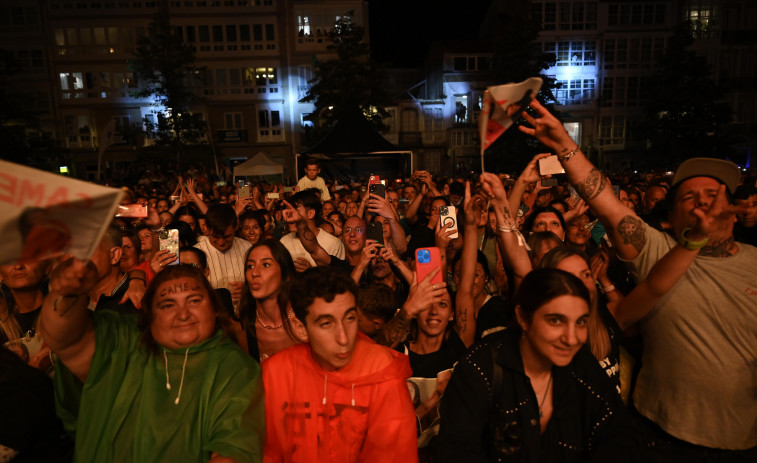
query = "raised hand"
{"x": 547, "y": 129}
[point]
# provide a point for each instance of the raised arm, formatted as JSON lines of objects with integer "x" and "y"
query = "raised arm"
{"x": 465, "y": 318}
{"x": 201, "y": 206}
{"x": 625, "y": 228}
{"x": 668, "y": 270}
{"x": 382, "y": 207}
{"x": 307, "y": 235}
{"x": 529, "y": 176}
{"x": 65, "y": 322}
{"x": 509, "y": 242}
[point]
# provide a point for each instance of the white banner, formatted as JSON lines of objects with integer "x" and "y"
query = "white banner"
{"x": 45, "y": 215}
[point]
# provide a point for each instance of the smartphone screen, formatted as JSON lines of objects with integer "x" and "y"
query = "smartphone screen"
{"x": 550, "y": 165}
{"x": 244, "y": 192}
{"x": 447, "y": 215}
{"x": 426, "y": 260}
{"x": 132, "y": 210}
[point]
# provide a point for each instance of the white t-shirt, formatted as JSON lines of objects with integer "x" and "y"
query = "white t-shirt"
{"x": 698, "y": 379}
{"x": 319, "y": 183}
{"x": 225, "y": 266}
{"x": 328, "y": 242}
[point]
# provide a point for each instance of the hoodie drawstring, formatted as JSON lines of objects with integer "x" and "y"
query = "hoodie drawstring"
{"x": 353, "y": 394}
{"x": 325, "y": 380}
{"x": 183, "y": 370}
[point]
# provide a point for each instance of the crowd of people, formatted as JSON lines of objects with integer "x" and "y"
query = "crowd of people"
{"x": 595, "y": 319}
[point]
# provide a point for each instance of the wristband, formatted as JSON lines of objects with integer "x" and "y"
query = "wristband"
{"x": 691, "y": 245}
{"x": 138, "y": 278}
{"x": 608, "y": 289}
{"x": 565, "y": 157}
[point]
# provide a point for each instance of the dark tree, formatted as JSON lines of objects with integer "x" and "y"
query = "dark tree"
{"x": 164, "y": 65}
{"x": 517, "y": 57}
{"x": 350, "y": 80}
{"x": 685, "y": 116}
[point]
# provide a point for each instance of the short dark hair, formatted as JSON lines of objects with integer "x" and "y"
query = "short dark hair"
{"x": 377, "y": 301}
{"x": 199, "y": 253}
{"x": 312, "y": 162}
{"x": 543, "y": 210}
{"x": 318, "y": 282}
{"x": 544, "y": 284}
{"x": 310, "y": 199}
{"x": 220, "y": 217}
{"x": 113, "y": 235}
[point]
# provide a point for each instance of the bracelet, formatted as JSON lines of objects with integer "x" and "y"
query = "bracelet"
{"x": 565, "y": 157}
{"x": 691, "y": 245}
{"x": 505, "y": 229}
{"x": 157, "y": 230}
{"x": 608, "y": 289}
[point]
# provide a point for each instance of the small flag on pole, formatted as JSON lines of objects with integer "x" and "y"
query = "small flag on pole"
{"x": 503, "y": 105}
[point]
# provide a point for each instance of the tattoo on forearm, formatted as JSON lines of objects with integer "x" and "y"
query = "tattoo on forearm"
{"x": 718, "y": 248}
{"x": 590, "y": 187}
{"x": 462, "y": 319}
{"x": 394, "y": 332}
{"x": 631, "y": 231}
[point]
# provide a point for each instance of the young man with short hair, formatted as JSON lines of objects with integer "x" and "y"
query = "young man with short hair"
{"x": 225, "y": 252}
{"x": 337, "y": 397}
{"x": 309, "y": 207}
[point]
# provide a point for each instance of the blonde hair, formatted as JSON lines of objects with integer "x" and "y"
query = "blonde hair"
{"x": 8, "y": 322}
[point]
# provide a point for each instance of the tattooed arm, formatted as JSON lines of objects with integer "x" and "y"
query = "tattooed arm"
{"x": 465, "y": 320}
{"x": 625, "y": 228}
{"x": 306, "y": 233}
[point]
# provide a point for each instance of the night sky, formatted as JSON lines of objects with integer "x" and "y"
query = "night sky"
{"x": 402, "y": 30}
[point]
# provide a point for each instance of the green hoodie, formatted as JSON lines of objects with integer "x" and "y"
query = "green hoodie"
{"x": 124, "y": 412}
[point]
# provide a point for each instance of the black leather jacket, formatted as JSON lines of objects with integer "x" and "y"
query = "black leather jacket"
{"x": 492, "y": 414}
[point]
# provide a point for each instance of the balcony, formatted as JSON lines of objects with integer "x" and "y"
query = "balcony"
{"x": 232, "y": 136}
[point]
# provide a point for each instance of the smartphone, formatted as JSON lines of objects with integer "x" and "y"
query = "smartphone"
{"x": 426, "y": 260}
{"x": 374, "y": 179}
{"x": 404, "y": 200}
{"x": 221, "y": 183}
{"x": 550, "y": 165}
{"x": 272, "y": 196}
{"x": 374, "y": 231}
{"x": 378, "y": 189}
{"x": 287, "y": 189}
{"x": 616, "y": 189}
{"x": 448, "y": 215}
{"x": 244, "y": 192}
{"x": 169, "y": 241}
{"x": 548, "y": 182}
{"x": 132, "y": 210}
{"x": 523, "y": 209}
{"x": 174, "y": 198}
{"x": 241, "y": 183}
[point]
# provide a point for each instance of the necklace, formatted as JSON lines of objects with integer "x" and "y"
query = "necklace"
{"x": 269, "y": 327}
{"x": 546, "y": 391}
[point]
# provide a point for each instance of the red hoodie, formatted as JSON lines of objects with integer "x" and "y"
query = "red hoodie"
{"x": 362, "y": 412}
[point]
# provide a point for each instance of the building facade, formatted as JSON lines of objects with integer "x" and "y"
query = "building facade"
{"x": 256, "y": 56}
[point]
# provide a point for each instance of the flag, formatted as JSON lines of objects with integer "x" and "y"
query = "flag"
{"x": 503, "y": 105}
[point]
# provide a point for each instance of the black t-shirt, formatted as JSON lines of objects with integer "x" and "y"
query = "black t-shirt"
{"x": 429, "y": 365}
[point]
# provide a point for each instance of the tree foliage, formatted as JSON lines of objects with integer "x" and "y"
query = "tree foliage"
{"x": 685, "y": 116}
{"x": 347, "y": 81}
{"x": 518, "y": 56}
{"x": 165, "y": 67}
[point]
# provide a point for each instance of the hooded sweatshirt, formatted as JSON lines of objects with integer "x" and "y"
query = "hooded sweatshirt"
{"x": 361, "y": 412}
{"x": 126, "y": 411}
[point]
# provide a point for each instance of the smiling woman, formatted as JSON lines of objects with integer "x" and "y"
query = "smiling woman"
{"x": 536, "y": 390}
{"x": 173, "y": 387}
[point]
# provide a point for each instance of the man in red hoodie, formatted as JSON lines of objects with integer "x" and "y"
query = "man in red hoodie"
{"x": 338, "y": 397}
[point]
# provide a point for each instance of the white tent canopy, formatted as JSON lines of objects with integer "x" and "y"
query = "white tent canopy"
{"x": 259, "y": 165}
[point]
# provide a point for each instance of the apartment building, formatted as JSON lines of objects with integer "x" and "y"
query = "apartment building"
{"x": 257, "y": 56}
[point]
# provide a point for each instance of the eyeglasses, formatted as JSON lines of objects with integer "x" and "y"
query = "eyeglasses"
{"x": 357, "y": 230}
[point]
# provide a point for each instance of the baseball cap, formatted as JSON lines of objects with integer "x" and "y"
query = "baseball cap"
{"x": 725, "y": 172}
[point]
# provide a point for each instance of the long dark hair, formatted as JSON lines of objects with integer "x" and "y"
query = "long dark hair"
{"x": 599, "y": 339}
{"x": 544, "y": 284}
{"x": 172, "y": 272}
{"x": 248, "y": 304}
